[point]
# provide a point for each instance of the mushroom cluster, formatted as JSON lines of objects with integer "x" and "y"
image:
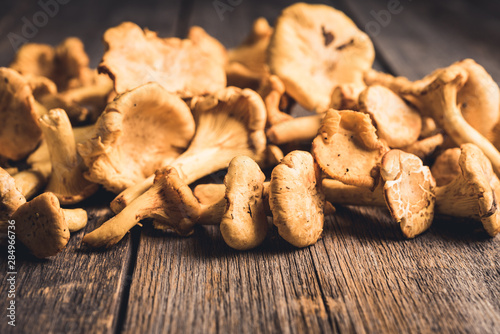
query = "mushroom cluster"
{"x": 159, "y": 114}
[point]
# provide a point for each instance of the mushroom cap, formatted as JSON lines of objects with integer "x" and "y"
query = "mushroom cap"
{"x": 347, "y": 148}
{"x": 208, "y": 44}
{"x": 296, "y": 199}
{"x": 247, "y": 63}
{"x": 35, "y": 59}
{"x": 313, "y": 49}
{"x": 177, "y": 207}
{"x": 397, "y": 123}
{"x": 19, "y": 131}
{"x": 140, "y": 131}
{"x": 244, "y": 224}
{"x": 71, "y": 65}
{"x": 134, "y": 57}
{"x": 446, "y": 168}
{"x": 232, "y": 122}
{"x": 272, "y": 89}
{"x": 474, "y": 192}
{"x": 10, "y": 197}
{"x": 66, "y": 64}
{"x": 40, "y": 225}
{"x": 409, "y": 191}
{"x": 479, "y": 99}
{"x": 346, "y": 96}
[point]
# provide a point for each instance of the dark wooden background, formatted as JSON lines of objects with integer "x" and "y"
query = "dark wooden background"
{"x": 362, "y": 276}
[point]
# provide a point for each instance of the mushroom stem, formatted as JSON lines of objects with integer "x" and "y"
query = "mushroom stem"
{"x": 338, "y": 193}
{"x": 211, "y": 214}
{"x": 30, "y": 182}
{"x": 297, "y": 129}
{"x": 75, "y": 218}
{"x": 113, "y": 230}
{"x": 454, "y": 124}
{"x": 67, "y": 181}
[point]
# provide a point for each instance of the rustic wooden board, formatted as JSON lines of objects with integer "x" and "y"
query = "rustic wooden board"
{"x": 425, "y": 35}
{"x": 361, "y": 277}
{"x": 77, "y": 291}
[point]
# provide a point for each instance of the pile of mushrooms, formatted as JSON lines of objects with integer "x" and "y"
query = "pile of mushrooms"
{"x": 159, "y": 114}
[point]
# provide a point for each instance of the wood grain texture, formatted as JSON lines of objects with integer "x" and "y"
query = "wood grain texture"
{"x": 425, "y": 35}
{"x": 362, "y": 276}
{"x": 77, "y": 291}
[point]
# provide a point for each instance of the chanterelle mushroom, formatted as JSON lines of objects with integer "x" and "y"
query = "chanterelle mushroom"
{"x": 66, "y": 64}
{"x": 409, "y": 191}
{"x": 297, "y": 200}
{"x": 140, "y": 131}
{"x": 397, "y": 123}
{"x": 19, "y": 130}
{"x": 244, "y": 224}
{"x": 439, "y": 99}
{"x": 134, "y": 57}
{"x": 247, "y": 63}
{"x": 228, "y": 123}
{"x": 446, "y": 167}
{"x": 347, "y": 147}
{"x": 477, "y": 94}
{"x": 169, "y": 201}
{"x": 405, "y": 187}
{"x": 297, "y": 129}
{"x": 40, "y": 224}
{"x": 315, "y": 48}
{"x": 66, "y": 181}
{"x": 474, "y": 192}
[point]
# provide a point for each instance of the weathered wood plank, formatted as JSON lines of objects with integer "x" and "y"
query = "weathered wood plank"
{"x": 443, "y": 281}
{"x": 420, "y": 36}
{"x": 76, "y": 291}
{"x": 200, "y": 285}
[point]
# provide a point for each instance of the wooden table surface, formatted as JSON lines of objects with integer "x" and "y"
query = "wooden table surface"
{"x": 362, "y": 276}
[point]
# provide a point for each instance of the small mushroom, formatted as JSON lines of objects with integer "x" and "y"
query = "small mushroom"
{"x": 405, "y": 187}
{"x": 66, "y": 180}
{"x": 346, "y": 96}
{"x": 41, "y": 224}
{"x": 169, "y": 201}
{"x": 134, "y": 57}
{"x": 297, "y": 129}
{"x": 439, "y": 100}
{"x": 244, "y": 223}
{"x": 272, "y": 91}
{"x": 140, "y": 131}
{"x": 66, "y": 64}
{"x": 228, "y": 123}
{"x": 208, "y": 44}
{"x": 425, "y": 147}
{"x": 315, "y": 48}
{"x": 32, "y": 180}
{"x": 19, "y": 131}
{"x": 297, "y": 200}
{"x": 347, "y": 148}
{"x": 477, "y": 96}
{"x": 247, "y": 63}
{"x": 397, "y": 123}
{"x": 82, "y": 104}
{"x": 446, "y": 167}
{"x": 473, "y": 192}
{"x": 409, "y": 191}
